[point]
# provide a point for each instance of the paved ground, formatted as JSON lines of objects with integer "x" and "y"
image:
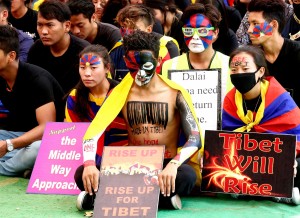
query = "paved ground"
{"x": 15, "y": 203}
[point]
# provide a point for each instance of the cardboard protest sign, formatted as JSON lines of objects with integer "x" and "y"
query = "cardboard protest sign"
{"x": 249, "y": 163}
{"x": 59, "y": 156}
{"x": 129, "y": 182}
{"x": 204, "y": 87}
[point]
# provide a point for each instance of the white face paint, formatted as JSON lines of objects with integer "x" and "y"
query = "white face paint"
{"x": 196, "y": 44}
{"x": 142, "y": 78}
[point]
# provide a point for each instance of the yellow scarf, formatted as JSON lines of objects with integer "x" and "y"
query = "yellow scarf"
{"x": 248, "y": 119}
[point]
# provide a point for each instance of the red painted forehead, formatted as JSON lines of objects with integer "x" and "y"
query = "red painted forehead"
{"x": 198, "y": 20}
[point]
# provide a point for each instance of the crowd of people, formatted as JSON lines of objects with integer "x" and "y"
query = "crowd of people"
{"x": 64, "y": 60}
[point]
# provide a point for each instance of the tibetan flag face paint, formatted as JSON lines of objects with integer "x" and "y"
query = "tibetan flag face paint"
{"x": 198, "y": 33}
{"x": 126, "y": 31}
{"x": 262, "y": 30}
{"x": 141, "y": 65}
{"x": 89, "y": 59}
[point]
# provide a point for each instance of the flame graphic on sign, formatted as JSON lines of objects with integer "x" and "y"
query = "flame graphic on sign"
{"x": 220, "y": 172}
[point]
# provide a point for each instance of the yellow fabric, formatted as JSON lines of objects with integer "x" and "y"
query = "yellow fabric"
{"x": 37, "y": 4}
{"x": 117, "y": 99}
{"x": 248, "y": 119}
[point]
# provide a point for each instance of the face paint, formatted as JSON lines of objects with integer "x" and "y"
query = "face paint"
{"x": 125, "y": 31}
{"x": 89, "y": 59}
{"x": 201, "y": 38}
{"x": 262, "y": 30}
{"x": 239, "y": 61}
{"x": 141, "y": 65}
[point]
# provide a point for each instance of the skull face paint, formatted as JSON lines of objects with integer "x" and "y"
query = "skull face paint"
{"x": 262, "y": 30}
{"x": 141, "y": 65}
{"x": 202, "y": 35}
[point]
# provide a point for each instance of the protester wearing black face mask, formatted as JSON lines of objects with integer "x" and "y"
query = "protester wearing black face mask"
{"x": 258, "y": 103}
{"x": 292, "y": 26}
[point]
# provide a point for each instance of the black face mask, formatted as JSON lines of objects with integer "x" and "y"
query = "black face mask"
{"x": 297, "y": 9}
{"x": 244, "y": 82}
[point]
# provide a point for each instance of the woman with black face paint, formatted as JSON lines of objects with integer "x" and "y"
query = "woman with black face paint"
{"x": 292, "y": 27}
{"x": 258, "y": 103}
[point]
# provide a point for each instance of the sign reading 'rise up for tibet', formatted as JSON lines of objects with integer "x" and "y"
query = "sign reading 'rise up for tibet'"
{"x": 249, "y": 163}
{"x": 59, "y": 156}
{"x": 129, "y": 181}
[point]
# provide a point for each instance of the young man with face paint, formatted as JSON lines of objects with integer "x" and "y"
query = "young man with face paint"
{"x": 258, "y": 103}
{"x": 266, "y": 18}
{"x": 200, "y": 30}
{"x": 167, "y": 107}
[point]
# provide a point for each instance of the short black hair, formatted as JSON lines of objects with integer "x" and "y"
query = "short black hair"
{"x": 162, "y": 5}
{"x": 139, "y": 40}
{"x": 55, "y": 9}
{"x": 6, "y": 4}
{"x": 271, "y": 10}
{"x": 84, "y": 7}
{"x": 9, "y": 40}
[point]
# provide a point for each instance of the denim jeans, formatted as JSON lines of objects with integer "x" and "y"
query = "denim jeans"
{"x": 14, "y": 163}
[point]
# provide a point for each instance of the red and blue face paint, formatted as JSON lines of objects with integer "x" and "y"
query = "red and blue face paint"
{"x": 197, "y": 21}
{"x": 141, "y": 65}
{"x": 89, "y": 59}
{"x": 126, "y": 31}
{"x": 262, "y": 30}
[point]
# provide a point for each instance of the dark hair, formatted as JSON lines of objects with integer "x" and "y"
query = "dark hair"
{"x": 139, "y": 40}
{"x": 54, "y": 9}
{"x": 111, "y": 10}
{"x": 84, "y": 7}
{"x": 271, "y": 10}
{"x": 133, "y": 13}
{"x": 255, "y": 52}
{"x": 6, "y": 4}
{"x": 9, "y": 40}
{"x": 82, "y": 92}
{"x": 162, "y": 5}
{"x": 208, "y": 10}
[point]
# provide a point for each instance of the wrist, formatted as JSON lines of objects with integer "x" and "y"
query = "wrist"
{"x": 175, "y": 162}
{"x": 89, "y": 163}
{"x": 9, "y": 145}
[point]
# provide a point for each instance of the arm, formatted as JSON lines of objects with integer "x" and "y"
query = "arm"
{"x": 45, "y": 113}
{"x": 192, "y": 133}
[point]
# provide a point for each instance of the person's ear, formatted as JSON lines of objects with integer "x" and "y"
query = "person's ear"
{"x": 12, "y": 55}
{"x": 274, "y": 24}
{"x": 149, "y": 29}
{"x": 94, "y": 17}
{"x": 67, "y": 25}
{"x": 261, "y": 72}
{"x": 5, "y": 14}
{"x": 215, "y": 34}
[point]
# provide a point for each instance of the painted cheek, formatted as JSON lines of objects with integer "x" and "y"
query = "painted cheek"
{"x": 262, "y": 30}
{"x": 207, "y": 40}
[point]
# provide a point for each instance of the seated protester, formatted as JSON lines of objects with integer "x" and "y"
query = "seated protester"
{"x": 169, "y": 16}
{"x": 25, "y": 40}
{"x": 84, "y": 26}
{"x": 291, "y": 29}
{"x": 86, "y": 98}
{"x": 33, "y": 98}
{"x": 57, "y": 50}
{"x": 244, "y": 39}
{"x": 226, "y": 41}
{"x": 138, "y": 16}
{"x": 259, "y": 103}
{"x": 23, "y": 18}
{"x": 141, "y": 87}
{"x": 99, "y": 6}
{"x": 200, "y": 29}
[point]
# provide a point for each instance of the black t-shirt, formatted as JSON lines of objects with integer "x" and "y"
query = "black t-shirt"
{"x": 33, "y": 88}
{"x": 65, "y": 68}
{"x": 27, "y": 23}
{"x": 108, "y": 35}
{"x": 286, "y": 68}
